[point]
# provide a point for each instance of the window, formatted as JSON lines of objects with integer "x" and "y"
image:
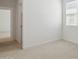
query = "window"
{"x": 71, "y": 13}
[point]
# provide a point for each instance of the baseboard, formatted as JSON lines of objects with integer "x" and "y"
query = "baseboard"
{"x": 71, "y": 42}
{"x": 40, "y": 43}
{"x": 18, "y": 44}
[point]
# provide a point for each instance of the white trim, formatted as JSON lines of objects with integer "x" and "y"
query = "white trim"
{"x": 40, "y": 43}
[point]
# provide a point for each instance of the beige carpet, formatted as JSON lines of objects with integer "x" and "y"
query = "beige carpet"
{"x": 54, "y": 50}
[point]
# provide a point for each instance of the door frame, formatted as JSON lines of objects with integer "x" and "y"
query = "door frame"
{"x": 20, "y": 22}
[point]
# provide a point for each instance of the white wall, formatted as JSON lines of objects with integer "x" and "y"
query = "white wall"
{"x": 41, "y": 21}
{"x": 70, "y": 33}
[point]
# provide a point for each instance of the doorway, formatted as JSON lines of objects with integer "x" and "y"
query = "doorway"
{"x": 10, "y": 23}
{"x": 6, "y": 25}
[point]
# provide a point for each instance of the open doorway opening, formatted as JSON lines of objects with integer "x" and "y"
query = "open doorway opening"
{"x": 10, "y": 23}
{"x": 5, "y": 22}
